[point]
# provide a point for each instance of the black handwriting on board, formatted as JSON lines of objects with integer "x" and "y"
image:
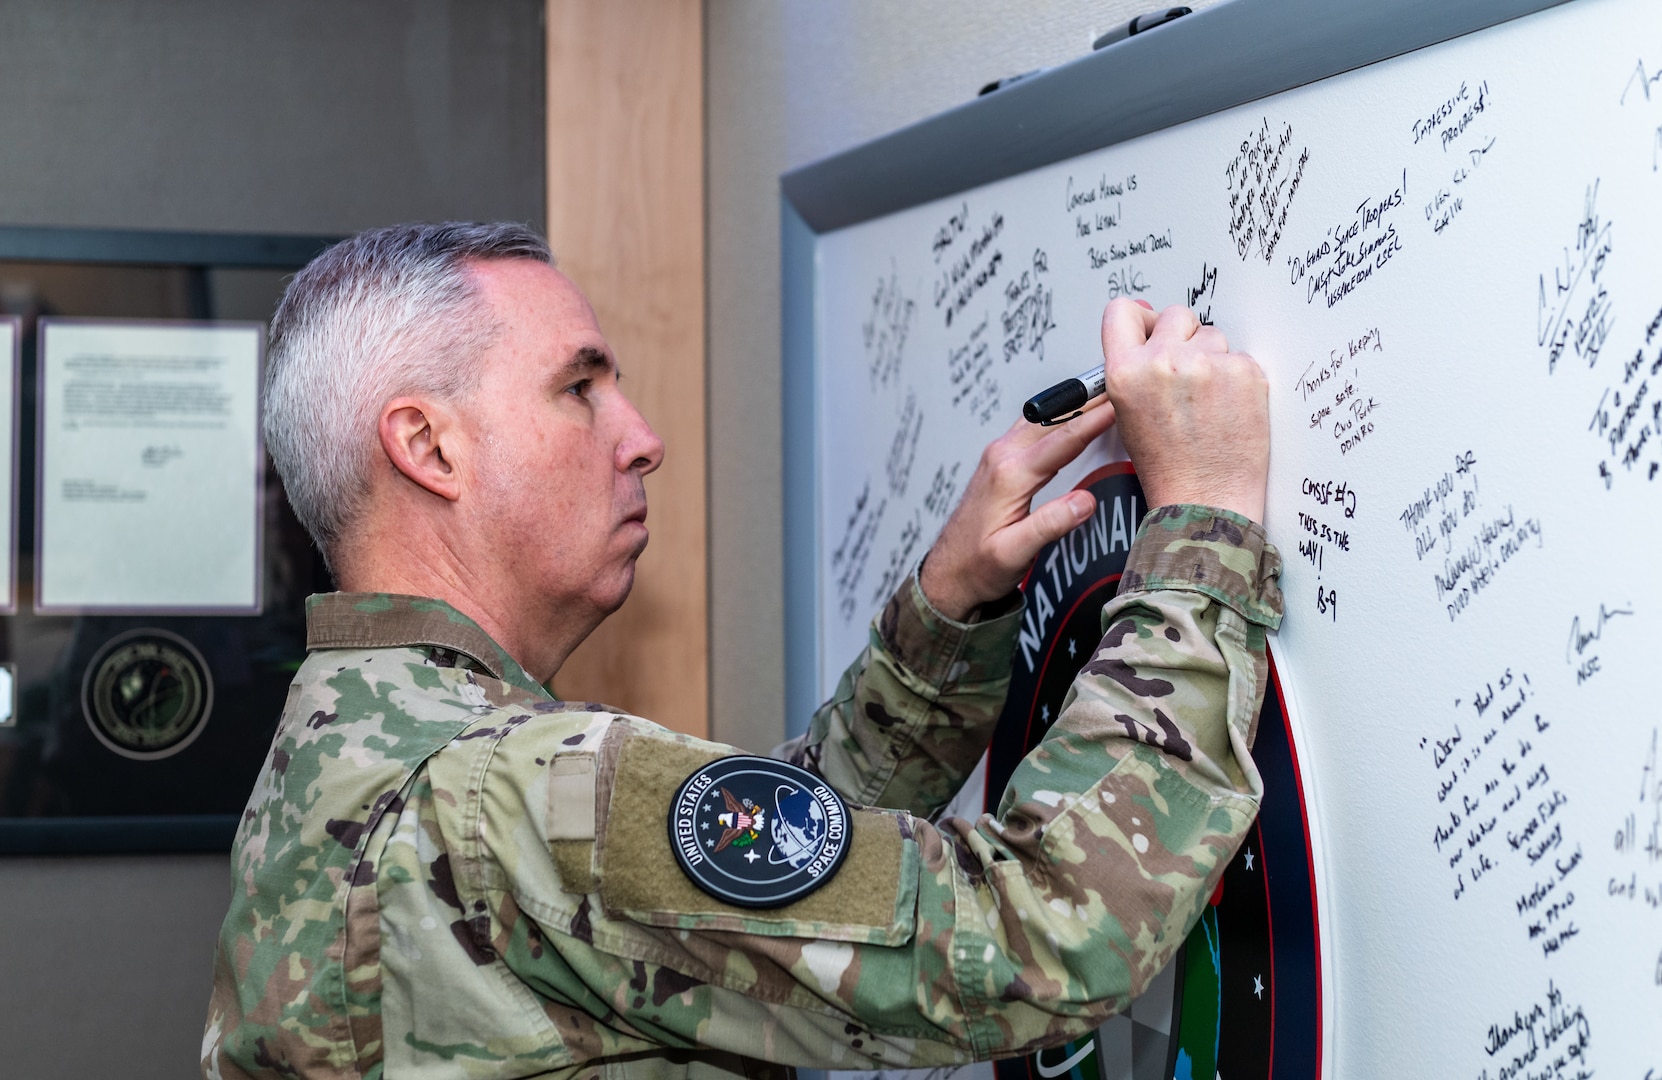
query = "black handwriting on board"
{"x": 1322, "y": 540}
{"x": 1450, "y": 119}
{"x": 1087, "y": 203}
{"x": 1643, "y": 79}
{"x": 1101, "y": 220}
{"x": 970, "y": 266}
{"x": 1501, "y": 812}
{"x": 1261, "y": 180}
{"x": 942, "y": 495}
{"x": 1028, "y": 313}
{"x": 945, "y": 236}
{"x": 1639, "y": 838}
{"x": 1573, "y": 309}
{"x": 1206, "y": 288}
{"x": 901, "y": 558}
{"x": 971, "y": 377}
{"x": 884, "y": 332}
{"x": 1336, "y": 393}
{"x": 1141, "y": 245}
{"x": 1433, "y": 517}
{"x": 853, "y": 550}
{"x": 1627, "y": 421}
{"x": 1584, "y": 636}
{"x": 903, "y": 451}
{"x": 1352, "y": 251}
{"x": 1543, "y": 1037}
{"x": 1445, "y": 206}
{"x": 1126, "y": 281}
{"x": 1576, "y": 318}
{"x": 1646, "y": 82}
{"x": 1476, "y": 543}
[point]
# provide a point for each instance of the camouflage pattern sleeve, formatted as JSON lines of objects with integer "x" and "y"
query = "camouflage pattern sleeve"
{"x": 1141, "y": 791}
{"x": 911, "y": 716}
{"x": 930, "y": 945}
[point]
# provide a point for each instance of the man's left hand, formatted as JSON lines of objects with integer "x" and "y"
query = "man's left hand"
{"x": 992, "y": 538}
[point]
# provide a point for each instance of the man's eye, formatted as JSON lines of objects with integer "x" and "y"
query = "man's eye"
{"x": 580, "y": 388}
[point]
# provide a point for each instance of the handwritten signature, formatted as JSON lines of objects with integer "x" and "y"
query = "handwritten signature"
{"x": 1580, "y": 639}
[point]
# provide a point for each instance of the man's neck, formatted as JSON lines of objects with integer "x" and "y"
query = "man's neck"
{"x": 400, "y": 563}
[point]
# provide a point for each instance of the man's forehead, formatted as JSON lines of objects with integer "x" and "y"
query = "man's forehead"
{"x": 544, "y": 308}
{"x": 526, "y": 287}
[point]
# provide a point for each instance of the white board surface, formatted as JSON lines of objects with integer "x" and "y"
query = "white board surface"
{"x": 1447, "y": 265}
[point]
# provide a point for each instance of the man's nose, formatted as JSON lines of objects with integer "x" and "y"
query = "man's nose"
{"x": 640, "y": 448}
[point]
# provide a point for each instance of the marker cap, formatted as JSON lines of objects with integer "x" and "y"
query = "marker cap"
{"x": 1063, "y": 398}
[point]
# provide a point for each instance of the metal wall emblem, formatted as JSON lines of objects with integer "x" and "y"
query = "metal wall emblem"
{"x": 147, "y": 694}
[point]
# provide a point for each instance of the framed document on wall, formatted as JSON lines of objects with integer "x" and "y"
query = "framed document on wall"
{"x": 150, "y": 470}
{"x": 158, "y": 610}
{"x": 11, "y": 337}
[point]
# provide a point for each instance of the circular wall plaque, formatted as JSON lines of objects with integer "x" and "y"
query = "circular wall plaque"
{"x": 147, "y": 694}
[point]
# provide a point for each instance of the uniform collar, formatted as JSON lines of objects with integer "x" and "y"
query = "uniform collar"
{"x": 342, "y": 620}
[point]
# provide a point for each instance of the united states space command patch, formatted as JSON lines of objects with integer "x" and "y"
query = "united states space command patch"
{"x": 756, "y": 832}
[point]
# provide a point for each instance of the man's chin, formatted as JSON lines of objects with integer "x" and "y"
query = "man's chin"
{"x": 620, "y": 591}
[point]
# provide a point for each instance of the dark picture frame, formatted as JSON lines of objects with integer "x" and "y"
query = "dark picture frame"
{"x": 76, "y": 775}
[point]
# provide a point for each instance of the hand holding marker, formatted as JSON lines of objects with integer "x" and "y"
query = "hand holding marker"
{"x": 1172, "y": 387}
{"x": 1062, "y": 402}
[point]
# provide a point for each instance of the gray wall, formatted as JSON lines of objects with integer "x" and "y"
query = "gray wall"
{"x": 790, "y": 81}
{"x": 301, "y": 116}
{"x": 306, "y": 116}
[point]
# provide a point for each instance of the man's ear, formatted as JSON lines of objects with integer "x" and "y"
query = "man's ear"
{"x": 419, "y": 437}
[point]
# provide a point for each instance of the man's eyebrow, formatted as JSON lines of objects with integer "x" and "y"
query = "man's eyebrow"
{"x": 585, "y": 361}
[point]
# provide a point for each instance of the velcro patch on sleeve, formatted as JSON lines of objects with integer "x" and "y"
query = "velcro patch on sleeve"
{"x": 571, "y": 797}
{"x": 794, "y": 860}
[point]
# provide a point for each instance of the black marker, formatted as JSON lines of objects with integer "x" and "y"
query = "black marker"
{"x": 999, "y": 84}
{"x": 1147, "y": 21}
{"x": 1140, "y": 24}
{"x": 1048, "y": 407}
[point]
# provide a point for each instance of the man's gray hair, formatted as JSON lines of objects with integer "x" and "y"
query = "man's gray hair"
{"x": 388, "y": 312}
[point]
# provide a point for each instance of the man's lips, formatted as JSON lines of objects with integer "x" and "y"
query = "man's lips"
{"x": 637, "y": 540}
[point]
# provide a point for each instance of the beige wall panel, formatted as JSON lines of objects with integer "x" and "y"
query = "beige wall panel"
{"x": 626, "y": 221}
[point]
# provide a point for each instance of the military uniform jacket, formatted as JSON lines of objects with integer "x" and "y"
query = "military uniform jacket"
{"x": 443, "y": 871}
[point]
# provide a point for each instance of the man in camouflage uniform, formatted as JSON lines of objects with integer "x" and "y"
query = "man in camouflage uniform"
{"x": 444, "y": 871}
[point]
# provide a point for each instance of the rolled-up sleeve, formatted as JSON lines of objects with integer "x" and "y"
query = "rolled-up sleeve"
{"x": 913, "y": 713}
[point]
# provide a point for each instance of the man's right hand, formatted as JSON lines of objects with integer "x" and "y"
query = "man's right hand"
{"x": 1194, "y": 416}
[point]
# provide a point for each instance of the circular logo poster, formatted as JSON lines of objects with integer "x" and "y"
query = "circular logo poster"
{"x": 1242, "y": 997}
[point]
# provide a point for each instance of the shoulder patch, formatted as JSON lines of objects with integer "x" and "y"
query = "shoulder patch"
{"x": 758, "y": 833}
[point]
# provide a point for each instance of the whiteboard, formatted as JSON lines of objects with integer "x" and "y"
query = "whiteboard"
{"x": 1446, "y": 263}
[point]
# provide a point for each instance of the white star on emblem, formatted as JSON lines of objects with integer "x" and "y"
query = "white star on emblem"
{"x": 1249, "y": 858}
{"x": 709, "y": 843}
{"x": 705, "y": 825}
{"x": 751, "y": 856}
{"x": 1071, "y": 648}
{"x": 1044, "y": 714}
{"x": 1258, "y": 986}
